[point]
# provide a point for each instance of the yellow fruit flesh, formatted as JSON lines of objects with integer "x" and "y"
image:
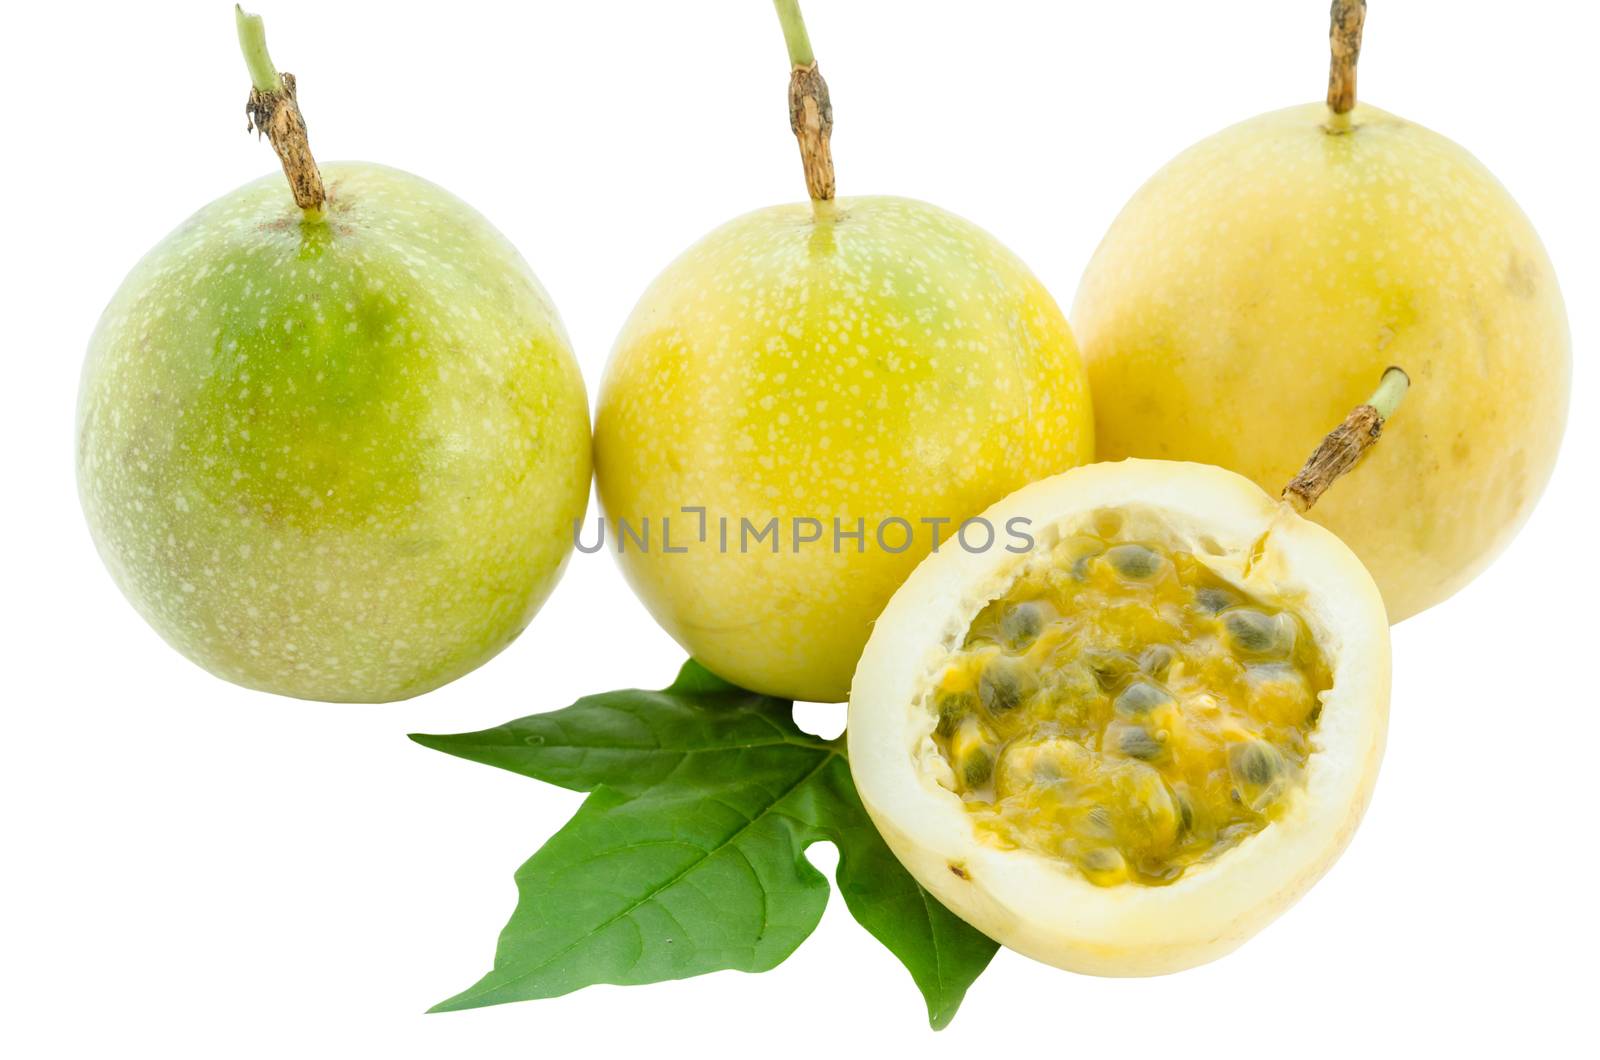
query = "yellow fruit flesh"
{"x": 1125, "y": 709}
{"x": 1246, "y": 298}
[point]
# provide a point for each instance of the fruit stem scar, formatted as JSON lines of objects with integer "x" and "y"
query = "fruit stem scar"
{"x": 1344, "y": 41}
{"x": 810, "y": 109}
{"x": 1345, "y": 444}
{"x": 273, "y": 109}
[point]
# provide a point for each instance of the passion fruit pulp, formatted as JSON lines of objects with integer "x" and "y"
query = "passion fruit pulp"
{"x": 1124, "y": 707}
{"x": 1129, "y": 749}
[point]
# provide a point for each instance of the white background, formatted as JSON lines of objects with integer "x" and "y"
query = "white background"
{"x": 194, "y": 870}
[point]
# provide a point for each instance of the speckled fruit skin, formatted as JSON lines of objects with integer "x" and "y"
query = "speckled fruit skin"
{"x": 1254, "y": 290}
{"x": 875, "y": 358}
{"x": 338, "y": 461}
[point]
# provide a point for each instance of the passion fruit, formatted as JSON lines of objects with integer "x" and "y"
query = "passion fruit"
{"x": 1189, "y": 731}
{"x": 843, "y": 381}
{"x": 1249, "y": 291}
{"x": 331, "y": 435}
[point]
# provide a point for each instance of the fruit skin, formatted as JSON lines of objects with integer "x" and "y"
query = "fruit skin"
{"x": 877, "y": 358}
{"x": 1251, "y": 293}
{"x": 1034, "y": 904}
{"x": 337, "y": 461}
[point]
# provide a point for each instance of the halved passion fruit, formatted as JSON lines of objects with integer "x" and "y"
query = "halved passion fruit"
{"x": 1128, "y": 748}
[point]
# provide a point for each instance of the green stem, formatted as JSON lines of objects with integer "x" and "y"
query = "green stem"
{"x": 274, "y": 111}
{"x": 794, "y": 32}
{"x": 1391, "y": 391}
{"x": 810, "y": 111}
{"x": 253, "y": 42}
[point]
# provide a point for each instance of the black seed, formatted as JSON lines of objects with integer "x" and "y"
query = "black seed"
{"x": 1154, "y": 870}
{"x": 1141, "y": 697}
{"x": 1255, "y": 762}
{"x": 1134, "y": 561}
{"x": 1156, "y": 660}
{"x": 1002, "y": 687}
{"x": 1100, "y": 820}
{"x": 1251, "y": 631}
{"x": 953, "y": 707}
{"x": 1080, "y": 568}
{"x": 978, "y": 768}
{"x": 1140, "y": 743}
{"x": 1102, "y": 859}
{"x": 1109, "y": 667}
{"x": 1185, "y": 812}
{"x": 1215, "y": 600}
{"x": 1021, "y": 625}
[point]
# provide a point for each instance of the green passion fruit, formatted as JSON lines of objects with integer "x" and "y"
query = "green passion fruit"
{"x": 331, "y": 444}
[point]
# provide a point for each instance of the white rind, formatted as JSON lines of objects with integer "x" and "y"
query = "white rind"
{"x": 1037, "y": 905}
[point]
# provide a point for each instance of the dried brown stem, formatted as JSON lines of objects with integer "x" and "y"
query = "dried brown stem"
{"x": 1342, "y": 449}
{"x": 274, "y": 110}
{"x": 1344, "y": 40}
{"x": 811, "y": 118}
{"x": 277, "y": 114}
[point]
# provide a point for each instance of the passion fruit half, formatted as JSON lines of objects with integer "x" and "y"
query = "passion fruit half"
{"x": 1127, "y": 749}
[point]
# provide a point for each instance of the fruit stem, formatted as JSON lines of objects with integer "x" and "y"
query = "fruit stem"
{"x": 1344, "y": 41}
{"x": 794, "y": 32}
{"x": 1345, "y": 444}
{"x": 274, "y": 110}
{"x": 810, "y": 110}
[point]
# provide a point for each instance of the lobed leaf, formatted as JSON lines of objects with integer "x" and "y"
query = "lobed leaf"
{"x": 688, "y": 856}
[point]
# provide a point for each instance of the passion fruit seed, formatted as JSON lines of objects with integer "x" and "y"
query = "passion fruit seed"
{"x": 1255, "y": 762}
{"x": 1021, "y": 625}
{"x": 1043, "y": 761}
{"x": 953, "y": 707}
{"x": 1110, "y": 668}
{"x": 1279, "y": 693}
{"x": 1253, "y": 632}
{"x": 978, "y": 768}
{"x": 971, "y": 752}
{"x": 1139, "y": 742}
{"x": 1185, "y": 810}
{"x": 1192, "y": 758}
{"x": 1156, "y": 660}
{"x": 1257, "y": 770}
{"x": 1104, "y": 866}
{"x": 1142, "y": 697}
{"x": 1135, "y": 562}
{"x": 1004, "y": 685}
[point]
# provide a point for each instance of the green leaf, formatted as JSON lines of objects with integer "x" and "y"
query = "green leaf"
{"x": 943, "y": 953}
{"x": 688, "y": 855}
{"x": 634, "y": 740}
